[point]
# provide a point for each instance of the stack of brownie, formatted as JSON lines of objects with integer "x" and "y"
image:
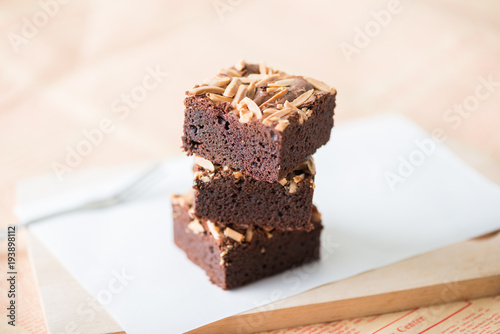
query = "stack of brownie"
{"x": 253, "y": 130}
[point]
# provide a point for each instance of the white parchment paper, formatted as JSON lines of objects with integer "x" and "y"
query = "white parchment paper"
{"x": 125, "y": 255}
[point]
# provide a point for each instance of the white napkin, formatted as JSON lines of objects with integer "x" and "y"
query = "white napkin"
{"x": 126, "y": 258}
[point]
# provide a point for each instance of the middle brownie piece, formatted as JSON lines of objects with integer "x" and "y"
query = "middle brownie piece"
{"x": 227, "y": 196}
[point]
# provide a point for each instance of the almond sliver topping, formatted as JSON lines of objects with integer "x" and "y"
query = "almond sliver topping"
{"x": 282, "y": 83}
{"x": 275, "y": 97}
{"x": 218, "y": 81}
{"x": 256, "y": 76}
{"x": 283, "y": 75}
{"x": 240, "y": 94}
{"x": 262, "y": 68}
{"x": 202, "y": 162}
{"x": 230, "y": 233}
{"x": 249, "y": 234}
{"x": 299, "y": 178}
{"x": 251, "y": 90}
{"x": 253, "y": 107}
{"x": 196, "y": 227}
{"x": 266, "y": 113}
{"x": 245, "y": 118}
{"x": 269, "y": 111}
{"x": 247, "y": 80}
{"x": 311, "y": 166}
{"x": 231, "y": 72}
{"x": 281, "y": 125}
{"x": 267, "y": 79}
{"x": 273, "y": 89}
{"x": 319, "y": 85}
{"x": 219, "y": 98}
{"x": 206, "y": 89}
{"x": 214, "y": 230}
{"x": 294, "y": 108}
{"x": 278, "y": 114}
{"x": 240, "y": 65}
{"x": 232, "y": 88}
{"x": 302, "y": 98}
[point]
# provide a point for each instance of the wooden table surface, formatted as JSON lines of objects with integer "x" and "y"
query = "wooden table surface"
{"x": 67, "y": 68}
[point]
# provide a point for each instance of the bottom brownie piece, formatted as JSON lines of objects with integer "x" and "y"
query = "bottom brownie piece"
{"x": 233, "y": 256}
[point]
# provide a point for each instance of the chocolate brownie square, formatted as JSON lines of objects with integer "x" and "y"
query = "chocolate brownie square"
{"x": 228, "y": 196}
{"x": 232, "y": 256}
{"x": 258, "y": 120}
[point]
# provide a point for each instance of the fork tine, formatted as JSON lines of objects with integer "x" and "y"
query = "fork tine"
{"x": 141, "y": 184}
{"x": 140, "y": 189}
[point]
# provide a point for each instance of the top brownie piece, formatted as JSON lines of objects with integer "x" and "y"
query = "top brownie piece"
{"x": 261, "y": 121}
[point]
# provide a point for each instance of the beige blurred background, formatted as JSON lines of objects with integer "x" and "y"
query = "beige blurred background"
{"x": 70, "y": 68}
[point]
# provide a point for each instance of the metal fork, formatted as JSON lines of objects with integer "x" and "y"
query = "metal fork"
{"x": 142, "y": 184}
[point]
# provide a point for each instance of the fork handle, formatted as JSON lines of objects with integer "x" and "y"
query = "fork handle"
{"x": 26, "y": 223}
{"x": 22, "y": 224}
{"x": 86, "y": 206}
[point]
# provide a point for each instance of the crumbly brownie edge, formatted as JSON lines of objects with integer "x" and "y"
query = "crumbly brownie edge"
{"x": 313, "y": 133}
{"x": 229, "y": 263}
{"x": 228, "y": 196}
{"x": 214, "y": 133}
{"x": 217, "y": 135}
